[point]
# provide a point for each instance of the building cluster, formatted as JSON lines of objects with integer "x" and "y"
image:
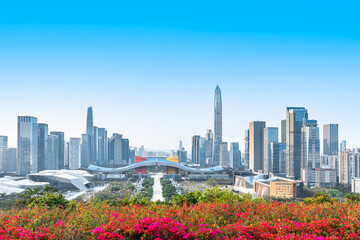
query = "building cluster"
{"x": 297, "y": 155}
{"x": 38, "y": 149}
{"x": 211, "y": 150}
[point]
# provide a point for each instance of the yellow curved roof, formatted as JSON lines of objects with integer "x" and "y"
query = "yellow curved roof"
{"x": 174, "y": 159}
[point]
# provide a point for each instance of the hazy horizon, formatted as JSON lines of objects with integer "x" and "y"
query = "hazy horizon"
{"x": 150, "y": 69}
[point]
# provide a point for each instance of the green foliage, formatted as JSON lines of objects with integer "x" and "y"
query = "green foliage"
{"x": 148, "y": 182}
{"x": 168, "y": 190}
{"x": 50, "y": 200}
{"x": 320, "y": 198}
{"x": 212, "y": 195}
{"x": 42, "y": 196}
{"x": 353, "y": 197}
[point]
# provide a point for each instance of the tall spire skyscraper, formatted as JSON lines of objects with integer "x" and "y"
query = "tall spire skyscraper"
{"x": 90, "y": 133}
{"x": 89, "y": 122}
{"x": 217, "y": 126}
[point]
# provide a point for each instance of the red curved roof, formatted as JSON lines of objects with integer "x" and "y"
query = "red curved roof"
{"x": 139, "y": 159}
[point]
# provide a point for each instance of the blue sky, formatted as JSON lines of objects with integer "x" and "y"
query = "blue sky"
{"x": 149, "y": 68}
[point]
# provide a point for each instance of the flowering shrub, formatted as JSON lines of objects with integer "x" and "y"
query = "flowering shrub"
{"x": 216, "y": 219}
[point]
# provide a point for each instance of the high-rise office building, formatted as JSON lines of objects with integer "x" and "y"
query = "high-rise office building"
{"x": 180, "y": 145}
{"x": 209, "y": 146}
{"x": 217, "y": 126}
{"x": 271, "y": 135}
{"x": 202, "y": 151}
{"x": 74, "y": 153}
{"x": 67, "y": 154}
{"x": 283, "y": 131}
{"x": 7, "y": 159}
{"x": 195, "y": 150}
{"x": 96, "y": 146}
{"x": 235, "y": 156}
{"x": 256, "y": 146}
{"x": 85, "y": 150}
{"x": 182, "y": 155}
{"x": 43, "y": 146}
{"x": 274, "y": 158}
{"x": 330, "y": 139}
{"x": 53, "y": 152}
{"x": 132, "y": 156}
{"x": 294, "y": 121}
{"x": 125, "y": 151}
{"x": 27, "y": 157}
{"x": 310, "y": 151}
{"x": 103, "y": 147}
{"x": 246, "y": 152}
{"x": 142, "y": 151}
{"x": 343, "y": 146}
{"x": 282, "y": 158}
{"x": 115, "y": 149}
{"x": 3, "y": 141}
{"x": 61, "y": 151}
{"x": 224, "y": 154}
{"x": 90, "y": 133}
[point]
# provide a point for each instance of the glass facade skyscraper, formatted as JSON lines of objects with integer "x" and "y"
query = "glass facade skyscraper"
{"x": 330, "y": 139}
{"x": 235, "y": 156}
{"x": 27, "y": 157}
{"x": 3, "y": 141}
{"x": 61, "y": 151}
{"x": 217, "y": 126}
{"x": 43, "y": 146}
{"x": 195, "y": 150}
{"x": 271, "y": 135}
{"x": 294, "y": 121}
{"x": 256, "y": 146}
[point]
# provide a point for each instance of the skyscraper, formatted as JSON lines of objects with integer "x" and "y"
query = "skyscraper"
{"x": 90, "y": 133}
{"x": 61, "y": 151}
{"x": 96, "y": 146}
{"x": 274, "y": 158}
{"x": 283, "y": 131}
{"x": 115, "y": 149}
{"x": 103, "y": 143}
{"x": 53, "y": 152}
{"x": 235, "y": 156}
{"x": 217, "y": 126}
{"x": 202, "y": 151}
{"x": 294, "y": 121}
{"x": 125, "y": 151}
{"x": 330, "y": 139}
{"x": 310, "y": 151}
{"x": 224, "y": 154}
{"x": 3, "y": 141}
{"x": 209, "y": 147}
{"x": 27, "y": 158}
{"x": 195, "y": 151}
{"x": 74, "y": 153}
{"x": 246, "y": 152}
{"x": 271, "y": 135}
{"x": 85, "y": 150}
{"x": 256, "y": 146}
{"x": 43, "y": 146}
{"x": 7, "y": 159}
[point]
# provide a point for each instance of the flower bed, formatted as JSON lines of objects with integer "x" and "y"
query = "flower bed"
{"x": 225, "y": 219}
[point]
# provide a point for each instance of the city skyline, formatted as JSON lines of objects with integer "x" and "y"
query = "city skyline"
{"x": 187, "y": 143}
{"x": 149, "y": 69}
